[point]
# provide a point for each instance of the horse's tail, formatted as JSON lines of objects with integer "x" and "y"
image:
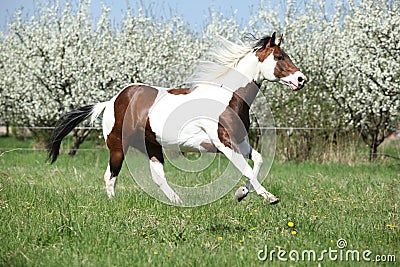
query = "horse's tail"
{"x": 68, "y": 122}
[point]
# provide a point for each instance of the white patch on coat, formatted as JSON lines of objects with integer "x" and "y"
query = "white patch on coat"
{"x": 158, "y": 176}
{"x": 292, "y": 80}
{"x": 181, "y": 120}
{"x": 267, "y": 68}
{"x": 110, "y": 182}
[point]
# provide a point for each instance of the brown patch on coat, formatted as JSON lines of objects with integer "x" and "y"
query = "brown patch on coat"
{"x": 182, "y": 91}
{"x": 131, "y": 126}
{"x": 284, "y": 65}
{"x": 234, "y": 122}
{"x": 209, "y": 147}
{"x": 263, "y": 53}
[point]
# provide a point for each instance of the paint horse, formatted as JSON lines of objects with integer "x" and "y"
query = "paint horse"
{"x": 138, "y": 116}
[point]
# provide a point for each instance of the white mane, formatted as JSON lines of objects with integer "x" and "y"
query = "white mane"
{"x": 228, "y": 53}
{"x": 223, "y": 58}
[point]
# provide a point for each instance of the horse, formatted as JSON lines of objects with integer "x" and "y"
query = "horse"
{"x": 137, "y": 116}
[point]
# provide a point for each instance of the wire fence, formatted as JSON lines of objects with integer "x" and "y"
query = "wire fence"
{"x": 100, "y": 128}
{"x": 292, "y": 143}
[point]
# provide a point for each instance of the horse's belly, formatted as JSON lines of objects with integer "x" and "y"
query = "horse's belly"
{"x": 188, "y": 137}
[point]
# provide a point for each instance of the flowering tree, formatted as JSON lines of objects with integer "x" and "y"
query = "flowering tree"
{"x": 351, "y": 58}
{"x": 50, "y": 64}
{"x": 57, "y": 61}
{"x": 367, "y": 56}
{"x": 60, "y": 59}
{"x": 158, "y": 52}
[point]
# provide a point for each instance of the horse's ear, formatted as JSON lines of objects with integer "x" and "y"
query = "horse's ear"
{"x": 272, "y": 40}
{"x": 279, "y": 40}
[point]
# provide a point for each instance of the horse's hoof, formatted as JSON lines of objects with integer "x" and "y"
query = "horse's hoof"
{"x": 241, "y": 193}
{"x": 176, "y": 200}
{"x": 273, "y": 200}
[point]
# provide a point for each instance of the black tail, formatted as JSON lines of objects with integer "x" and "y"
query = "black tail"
{"x": 64, "y": 126}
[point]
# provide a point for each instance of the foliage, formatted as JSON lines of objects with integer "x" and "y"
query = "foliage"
{"x": 351, "y": 57}
{"x": 61, "y": 59}
{"x": 368, "y": 62}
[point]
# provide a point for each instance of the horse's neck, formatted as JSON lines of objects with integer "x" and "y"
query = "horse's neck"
{"x": 247, "y": 94}
{"x": 248, "y": 66}
{"x": 242, "y": 100}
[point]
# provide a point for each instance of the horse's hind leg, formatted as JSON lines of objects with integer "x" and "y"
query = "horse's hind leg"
{"x": 110, "y": 182}
{"x": 113, "y": 169}
{"x": 114, "y": 165}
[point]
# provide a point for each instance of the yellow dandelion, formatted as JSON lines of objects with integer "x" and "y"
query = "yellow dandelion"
{"x": 252, "y": 229}
{"x": 294, "y": 232}
{"x": 155, "y": 252}
{"x": 290, "y": 224}
{"x": 250, "y": 236}
{"x": 219, "y": 238}
{"x": 255, "y": 211}
{"x": 169, "y": 255}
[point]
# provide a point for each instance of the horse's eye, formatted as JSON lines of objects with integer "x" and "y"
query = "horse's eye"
{"x": 280, "y": 57}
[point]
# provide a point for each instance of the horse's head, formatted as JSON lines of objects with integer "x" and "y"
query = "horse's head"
{"x": 275, "y": 65}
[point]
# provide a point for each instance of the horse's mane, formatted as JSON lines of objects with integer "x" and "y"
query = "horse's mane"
{"x": 222, "y": 58}
{"x": 227, "y": 53}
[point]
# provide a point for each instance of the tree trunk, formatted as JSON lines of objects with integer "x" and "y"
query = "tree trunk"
{"x": 373, "y": 149}
{"x": 7, "y": 129}
{"x": 373, "y": 138}
{"x": 78, "y": 137}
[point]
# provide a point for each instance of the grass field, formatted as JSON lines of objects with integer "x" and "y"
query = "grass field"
{"x": 59, "y": 215}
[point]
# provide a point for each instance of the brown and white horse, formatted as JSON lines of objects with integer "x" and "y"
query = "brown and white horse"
{"x": 140, "y": 116}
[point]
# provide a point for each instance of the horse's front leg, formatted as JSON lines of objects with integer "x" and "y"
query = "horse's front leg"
{"x": 247, "y": 151}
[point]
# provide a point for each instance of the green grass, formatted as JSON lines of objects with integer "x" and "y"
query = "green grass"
{"x": 59, "y": 215}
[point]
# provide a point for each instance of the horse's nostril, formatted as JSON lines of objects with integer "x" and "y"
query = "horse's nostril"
{"x": 300, "y": 79}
